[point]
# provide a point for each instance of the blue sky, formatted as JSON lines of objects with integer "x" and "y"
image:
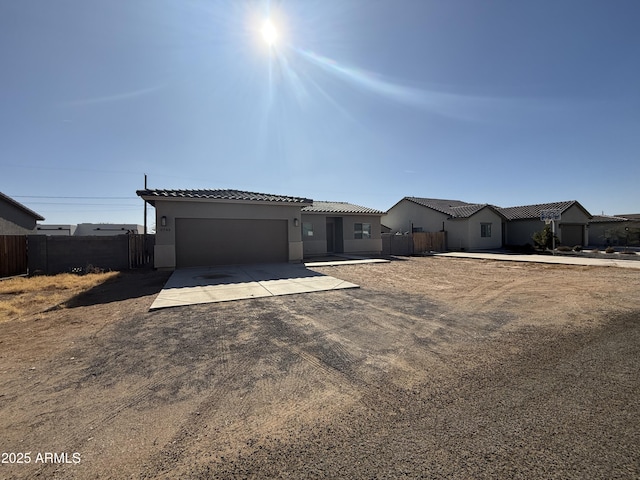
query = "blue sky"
{"x": 503, "y": 102}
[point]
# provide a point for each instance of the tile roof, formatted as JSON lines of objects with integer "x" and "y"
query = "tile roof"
{"x": 607, "y": 219}
{"x": 630, "y": 216}
{"x": 220, "y": 194}
{"x": 339, "y": 207}
{"x": 526, "y": 212}
{"x": 453, "y": 208}
{"x": 18, "y": 205}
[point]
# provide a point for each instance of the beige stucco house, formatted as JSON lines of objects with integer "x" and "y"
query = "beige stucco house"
{"x": 340, "y": 227}
{"x": 222, "y": 227}
{"x": 524, "y": 221}
{"x": 469, "y": 226}
{"x": 15, "y": 218}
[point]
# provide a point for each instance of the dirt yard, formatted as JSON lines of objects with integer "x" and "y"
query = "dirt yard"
{"x": 435, "y": 368}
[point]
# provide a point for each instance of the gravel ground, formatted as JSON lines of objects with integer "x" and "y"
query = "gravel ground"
{"x": 434, "y": 368}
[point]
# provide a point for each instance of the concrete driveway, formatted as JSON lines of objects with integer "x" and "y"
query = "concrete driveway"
{"x": 606, "y": 260}
{"x": 191, "y": 286}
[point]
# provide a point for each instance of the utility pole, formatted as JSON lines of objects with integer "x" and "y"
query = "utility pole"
{"x": 145, "y": 207}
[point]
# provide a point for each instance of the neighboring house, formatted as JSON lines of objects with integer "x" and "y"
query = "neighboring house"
{"x": 339, "y": 227}
{"x": 56, "y": 230}
{"x": 15, "y": 218}
{"x": 632, "y": 217}
{"x": 524, "y": 221}
{"x": 90, "y": 229}
{"x": 469, "y": 226}
{"x": 217, "y": 227}
{"x": 606, "y": 230}
{"x": 614, "y": 230}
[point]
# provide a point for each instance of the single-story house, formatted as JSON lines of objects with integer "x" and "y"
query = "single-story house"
{"x": 524, "y": 221}
{"x": 15, "y": 218}
{"x": 469, "y": 226}
{"x": 614, "y": 230}
{"x": 222, "y": 227}
{"x": 340, "y": 227}
{"x": 89, "y": 229}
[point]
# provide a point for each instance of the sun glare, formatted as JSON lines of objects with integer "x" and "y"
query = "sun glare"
{"x": 269, "y": 32}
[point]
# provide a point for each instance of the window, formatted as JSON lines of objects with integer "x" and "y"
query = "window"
{"x": 362, "y": 230}
{"x": 485, "y": 229}
{"x": 307, "y": 229}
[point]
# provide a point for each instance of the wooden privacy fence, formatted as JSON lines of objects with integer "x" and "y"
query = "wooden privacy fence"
{"x": 13, "y": 255}
{"x": 429, "y": 242}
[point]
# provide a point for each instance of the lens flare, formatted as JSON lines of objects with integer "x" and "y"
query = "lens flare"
{"x": 269, "y": 32}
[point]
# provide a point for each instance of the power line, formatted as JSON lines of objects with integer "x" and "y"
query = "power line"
{"x": 81, "y": 204}
{"x": 69, "y": 198}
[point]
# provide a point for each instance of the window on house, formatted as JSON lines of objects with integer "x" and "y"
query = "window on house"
{"x": 307, "y": 229}
{"x": 485, "y": 229}
{"x": 362, "y": 230}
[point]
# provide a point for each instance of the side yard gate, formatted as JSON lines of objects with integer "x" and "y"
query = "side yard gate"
{"x": 415, "y": 243}
{"x": 13, "y": 255}
{"x": 429, "y": 242}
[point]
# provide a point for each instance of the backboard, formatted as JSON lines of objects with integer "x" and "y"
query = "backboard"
{"x": 550, "y": 214}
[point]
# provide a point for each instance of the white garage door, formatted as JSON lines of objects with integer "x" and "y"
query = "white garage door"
{"x": 203, "y": 242}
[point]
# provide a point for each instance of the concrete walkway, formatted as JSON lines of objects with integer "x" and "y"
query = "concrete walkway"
{"x": 557, "y": 259}
{"x": 190, "y": 286}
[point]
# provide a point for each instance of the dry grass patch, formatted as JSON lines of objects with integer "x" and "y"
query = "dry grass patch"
{"x": 28, "y": 295}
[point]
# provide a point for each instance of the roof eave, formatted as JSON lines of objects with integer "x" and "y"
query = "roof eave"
{"x": 151, "y": 199}
{"x": 18, "y": 205}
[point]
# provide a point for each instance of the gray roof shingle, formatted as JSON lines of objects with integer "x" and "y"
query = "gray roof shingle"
{"x": 220, "y": 194}
{"x": 339, "y": 207}
{"x": 607, "y": 219}
{"x": 453, "y": 208}
{"x": 630, "y": 216}
{"x": 526, "y": 212}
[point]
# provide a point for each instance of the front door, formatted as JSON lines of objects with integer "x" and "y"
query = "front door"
{"x": 330, "y": 238}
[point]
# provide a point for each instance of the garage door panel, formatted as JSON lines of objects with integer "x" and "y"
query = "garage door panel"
{"x": 202, "y": 242}
{"x": 572, "y": 235}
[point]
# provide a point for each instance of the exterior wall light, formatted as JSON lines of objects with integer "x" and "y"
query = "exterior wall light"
{"x": 163, "y": 221}
{"x": 296, "y": 222}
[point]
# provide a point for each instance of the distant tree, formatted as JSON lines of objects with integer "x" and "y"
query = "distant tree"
{"x": 544, "y": 238}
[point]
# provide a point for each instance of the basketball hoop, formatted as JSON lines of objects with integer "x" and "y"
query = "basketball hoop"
{"x": 550, "y": 214}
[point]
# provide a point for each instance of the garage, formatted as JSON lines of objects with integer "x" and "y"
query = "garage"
{"x": 572, "y": 235}
{"x": 200, "y": 228}
{"x": 225, "y": 241}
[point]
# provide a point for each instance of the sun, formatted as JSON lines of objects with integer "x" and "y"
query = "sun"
{"x": 269, "y": 32}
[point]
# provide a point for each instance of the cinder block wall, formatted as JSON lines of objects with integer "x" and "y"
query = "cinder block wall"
{"x": 51, "y": 254}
